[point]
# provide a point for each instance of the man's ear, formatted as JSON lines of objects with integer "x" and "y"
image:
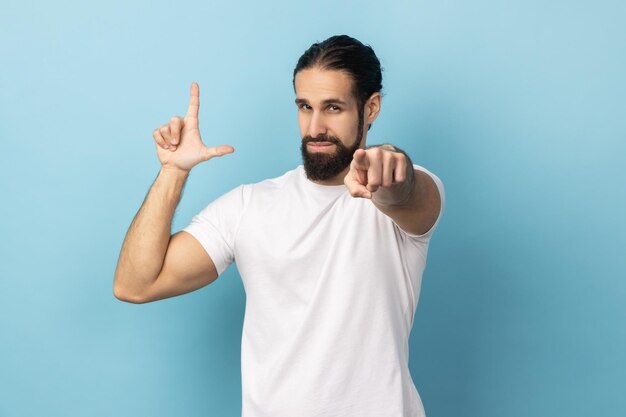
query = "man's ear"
{"x": 372, "y": 108}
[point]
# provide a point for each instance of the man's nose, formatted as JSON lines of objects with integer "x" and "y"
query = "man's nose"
{"x": 317, "y": 126}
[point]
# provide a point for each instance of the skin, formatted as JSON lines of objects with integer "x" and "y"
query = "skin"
{"x": 154, "y": 264}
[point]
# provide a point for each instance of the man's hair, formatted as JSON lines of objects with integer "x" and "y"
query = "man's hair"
{"x": 347, "y": 54}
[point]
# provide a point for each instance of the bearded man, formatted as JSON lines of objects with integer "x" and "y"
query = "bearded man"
{"x": 331, "y": 253}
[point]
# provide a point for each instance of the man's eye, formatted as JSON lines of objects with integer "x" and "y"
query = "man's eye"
{"x": 333, "y": 108}
{"x": 304, "y": 106}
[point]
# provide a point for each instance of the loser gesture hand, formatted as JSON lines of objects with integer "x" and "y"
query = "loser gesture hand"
{"x": 179, "y": 144}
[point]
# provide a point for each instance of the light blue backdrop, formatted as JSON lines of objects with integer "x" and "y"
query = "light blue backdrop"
{"x": 519, "y": 106}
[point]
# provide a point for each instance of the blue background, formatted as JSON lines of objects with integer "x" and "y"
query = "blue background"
{"x": 519, "y": 106}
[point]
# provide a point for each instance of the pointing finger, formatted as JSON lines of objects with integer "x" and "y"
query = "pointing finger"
{"x": 194, "y": 101}
{"x": 360, "y": 159}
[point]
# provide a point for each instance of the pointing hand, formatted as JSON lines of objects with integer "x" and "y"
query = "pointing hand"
{"x": 380, "y": 168}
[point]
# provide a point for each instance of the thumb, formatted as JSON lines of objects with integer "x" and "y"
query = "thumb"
{"x": 217, "y": 151}
{"x": 355, "y": 187}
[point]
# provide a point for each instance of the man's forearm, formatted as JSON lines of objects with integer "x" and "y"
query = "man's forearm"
{"x": 148, "y": 236}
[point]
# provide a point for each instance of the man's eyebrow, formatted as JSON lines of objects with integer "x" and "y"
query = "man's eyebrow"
{"x": 325, "y": 102}
{"x": 334, "y": 101}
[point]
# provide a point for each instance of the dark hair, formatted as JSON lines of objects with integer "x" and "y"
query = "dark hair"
{"x": 347, "y": 54}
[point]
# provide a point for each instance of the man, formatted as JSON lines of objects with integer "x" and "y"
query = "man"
{"x": 331, "y": 254}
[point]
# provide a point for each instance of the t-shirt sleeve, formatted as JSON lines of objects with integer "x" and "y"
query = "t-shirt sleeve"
{"x": 215, "y": 227}
{"x": 442, "y": 196}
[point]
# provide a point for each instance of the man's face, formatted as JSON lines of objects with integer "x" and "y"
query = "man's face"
{"x": 329, "y": 121}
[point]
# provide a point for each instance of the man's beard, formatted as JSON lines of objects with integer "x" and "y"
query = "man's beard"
{"x": 321, "y": 166}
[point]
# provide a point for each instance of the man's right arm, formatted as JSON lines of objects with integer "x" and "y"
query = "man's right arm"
{"x": 153, "y": 264}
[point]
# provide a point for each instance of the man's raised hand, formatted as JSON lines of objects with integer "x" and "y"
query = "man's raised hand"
{"x": 179, "y": 144}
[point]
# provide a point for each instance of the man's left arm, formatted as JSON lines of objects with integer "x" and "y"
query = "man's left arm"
{"x": 385, "y": 174}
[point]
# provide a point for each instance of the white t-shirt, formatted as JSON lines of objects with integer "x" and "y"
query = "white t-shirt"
{"x": 331, "y": 286}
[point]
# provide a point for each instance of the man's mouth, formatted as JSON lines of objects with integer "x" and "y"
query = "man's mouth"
{"x": 319, "y": 145}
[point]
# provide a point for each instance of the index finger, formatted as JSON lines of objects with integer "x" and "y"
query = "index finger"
{"x": 194, "y": 101}
{"x": 360, "y": 159}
